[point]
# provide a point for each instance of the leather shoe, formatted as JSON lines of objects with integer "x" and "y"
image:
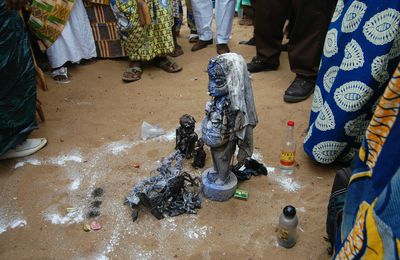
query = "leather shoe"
{"x": 222, "y": 48}
{"x": 258, "y": 65}
{"x": 251, "y": 42}
{"x": 201, "y": 45}
{"x": 299, "y": 90}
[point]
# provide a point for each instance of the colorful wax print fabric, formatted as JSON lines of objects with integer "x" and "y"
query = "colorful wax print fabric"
{"x": 361, "y": 51}
{"x": 48, "y": 18}
{"x": 371, "y": 222}
{"x": 144, "y": 43}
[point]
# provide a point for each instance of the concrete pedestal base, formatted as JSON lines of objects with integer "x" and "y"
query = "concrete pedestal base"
{"x": 218, "y": 192}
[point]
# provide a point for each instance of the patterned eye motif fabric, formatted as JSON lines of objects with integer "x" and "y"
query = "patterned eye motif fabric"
{"x": 360, "y": 53}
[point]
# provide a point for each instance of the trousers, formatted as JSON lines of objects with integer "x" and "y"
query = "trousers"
{"x": 310, "y": 20}
{"x": 203, "y": 14}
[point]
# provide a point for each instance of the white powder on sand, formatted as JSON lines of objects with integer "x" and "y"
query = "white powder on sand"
{"x": 257, "y": 156}
{"x": 75, "y": 184}
{"x": 27, "y": 161}
{"x": 115, "y": 148}
{"x": 69, "y": 218}
{"x": 14, "y": 223}
{"x": 169, "y": 136}
{"x": 119, "y": 147}
{"x": 302, "y": 209}
{"x": 286, "y": 182}
{"x": 18, "y": 223}
{"x": 73, "y": 156}
{"x": 196, "y": 232}
{"x": 113, "y": 242}
{"x": 169, "y": 224}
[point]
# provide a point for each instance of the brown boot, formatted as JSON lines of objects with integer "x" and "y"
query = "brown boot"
{"x": 222, "y": 48}
{"x": 201, "y": 45}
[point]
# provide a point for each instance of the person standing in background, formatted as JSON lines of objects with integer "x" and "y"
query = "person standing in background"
{"x": 203, "y": 15}
{"x": 309, "y": 22}
{"x": 18, "y": 85}
{"x": 147, "y": 35}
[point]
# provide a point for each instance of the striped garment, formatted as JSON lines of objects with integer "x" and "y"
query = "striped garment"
{"x": 105, "y": 31}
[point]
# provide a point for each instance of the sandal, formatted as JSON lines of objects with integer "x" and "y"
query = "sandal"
{"x": 60, "y": 75}
{"x": 168, "y": 65}
{"x": 177, "y": 52}
{"x": 132, "y": 74}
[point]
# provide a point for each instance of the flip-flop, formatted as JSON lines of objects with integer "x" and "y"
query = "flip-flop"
{"x": 169, "y": 65}
{"x": 132, "y": 74}
{"x": 28, "y": 147}
{"x": 60, "y": 75}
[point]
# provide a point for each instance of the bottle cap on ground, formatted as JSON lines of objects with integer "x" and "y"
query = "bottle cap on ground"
{"x": 289, "y": 211}
{"x": 290, "y": 123}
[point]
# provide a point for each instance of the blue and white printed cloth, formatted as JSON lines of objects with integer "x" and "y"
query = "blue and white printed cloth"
{"x": 361, "y": 51}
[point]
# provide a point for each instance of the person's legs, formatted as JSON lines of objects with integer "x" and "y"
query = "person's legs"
{"x": 18, "y": 88}
{"x": 75, "y": 43}
{"x": 305, "y": 45}
{"x": 224, "y": 12}
{"x": 270, "y": 19}
{"x": 194, "y": 37}
{"x": 166, "y": 64}
{"x": 252, "y": 40}
{"x": 307, "y": 36}
{"x": 133, "y": 72}
{"x": 178, "y": 51}
{"x": 203, "y": 14}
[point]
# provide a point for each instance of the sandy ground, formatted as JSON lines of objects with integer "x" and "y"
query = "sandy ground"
{"x": 93, "y": 129}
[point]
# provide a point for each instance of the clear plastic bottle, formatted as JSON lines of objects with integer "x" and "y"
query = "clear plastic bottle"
{"x": 288, "y": 150}
{"x": 287, "y": 227}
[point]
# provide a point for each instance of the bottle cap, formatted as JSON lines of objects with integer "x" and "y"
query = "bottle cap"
{"x": 290, "y": 123}
{"x": 289, "y": 211}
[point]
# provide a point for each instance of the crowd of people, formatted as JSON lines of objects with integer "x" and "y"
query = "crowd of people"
{"x": 345, "y": 53}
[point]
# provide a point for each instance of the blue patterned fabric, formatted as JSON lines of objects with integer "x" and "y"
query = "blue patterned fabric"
{"x": 361, "y": 51}
{"x": 371, "y": 222}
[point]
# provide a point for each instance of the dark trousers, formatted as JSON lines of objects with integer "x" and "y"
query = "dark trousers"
{"x": 309, "y": 23}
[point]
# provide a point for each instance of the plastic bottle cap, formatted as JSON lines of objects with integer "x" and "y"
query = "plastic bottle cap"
{"x": 290, "y": 123}
{"x": 289, "y": 211}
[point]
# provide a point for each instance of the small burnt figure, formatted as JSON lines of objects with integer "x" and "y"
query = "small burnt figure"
{"x": 199, "y": 155}
{"x": 169, "y": 193}
{"x": 185, "y": 136}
